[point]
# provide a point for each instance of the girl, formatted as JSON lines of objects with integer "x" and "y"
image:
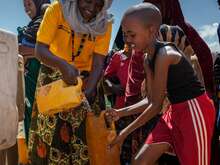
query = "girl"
{"x": 187, "y": 127}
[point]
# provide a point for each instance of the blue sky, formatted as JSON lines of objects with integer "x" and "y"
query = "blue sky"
{"x": 204, "y": 15}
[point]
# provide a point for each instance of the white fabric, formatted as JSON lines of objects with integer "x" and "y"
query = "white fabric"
{"x": 8, "y": 89}
{"x": 96, "y": 26}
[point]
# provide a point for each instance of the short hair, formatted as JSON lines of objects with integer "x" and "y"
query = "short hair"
{"x": 147, "y": 13}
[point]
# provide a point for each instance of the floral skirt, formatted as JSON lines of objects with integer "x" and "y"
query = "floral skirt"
{"x": 60, "y": 138}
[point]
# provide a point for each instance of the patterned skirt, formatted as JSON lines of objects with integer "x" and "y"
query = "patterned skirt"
{"x": 60, "y": 138}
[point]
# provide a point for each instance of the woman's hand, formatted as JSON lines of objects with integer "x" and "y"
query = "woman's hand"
{"x": 69, "y": 73}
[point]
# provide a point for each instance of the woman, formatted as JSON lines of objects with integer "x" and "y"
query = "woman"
{"x": 74, "y": 37}
{"x": 27, "y": 39}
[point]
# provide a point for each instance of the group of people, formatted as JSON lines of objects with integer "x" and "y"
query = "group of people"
{"x": 159, "y": 82}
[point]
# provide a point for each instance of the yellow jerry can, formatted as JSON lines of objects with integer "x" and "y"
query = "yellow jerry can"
{"x": 58, "y": 97}
{"x": 98, "y": 137}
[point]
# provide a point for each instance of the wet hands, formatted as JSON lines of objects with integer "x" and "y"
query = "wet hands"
{"x": 112, "y": 115}
{"x": 69, "y": 73}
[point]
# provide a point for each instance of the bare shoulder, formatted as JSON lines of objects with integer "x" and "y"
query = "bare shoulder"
{"x": 169, "y": 55}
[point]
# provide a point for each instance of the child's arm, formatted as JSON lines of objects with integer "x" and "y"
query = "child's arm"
{"x": 158, "y": 94}
{"x": 141, "y": 105}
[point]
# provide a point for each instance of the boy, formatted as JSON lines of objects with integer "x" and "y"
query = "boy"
{"x": 187, "y": 127}
{"x": 118, "y": 69}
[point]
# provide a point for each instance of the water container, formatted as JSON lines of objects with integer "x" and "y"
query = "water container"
{"x": 99, "y": 136}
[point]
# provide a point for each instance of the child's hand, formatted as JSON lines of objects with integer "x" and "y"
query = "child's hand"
{"x": 69, "y": 74}
{"x": 111, "y": 115}
{"x": 119, "y": 139}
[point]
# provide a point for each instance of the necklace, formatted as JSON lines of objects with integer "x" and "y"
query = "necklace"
{"x": 81, "y": 45}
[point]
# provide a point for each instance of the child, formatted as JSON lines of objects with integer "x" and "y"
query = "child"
{"x": 187, "y": 127}
{"x": 116, "y": 75}
{"x": 118, "y": 68}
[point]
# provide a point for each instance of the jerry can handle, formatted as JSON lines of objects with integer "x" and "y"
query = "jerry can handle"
{"x": 109, "y": 125}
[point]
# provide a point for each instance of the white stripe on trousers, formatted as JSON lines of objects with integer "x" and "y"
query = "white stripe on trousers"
{"x": 200, "y": 131}
{"x": 195, "y": 110}
{"x": 205, "y": 130}
{"x": 196, "y": 132}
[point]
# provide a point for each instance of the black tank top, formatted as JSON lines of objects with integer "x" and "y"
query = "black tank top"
{"x": 182, "y": 82}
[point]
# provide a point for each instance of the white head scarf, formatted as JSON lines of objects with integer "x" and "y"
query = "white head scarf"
{"x": 96, "y": 26}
